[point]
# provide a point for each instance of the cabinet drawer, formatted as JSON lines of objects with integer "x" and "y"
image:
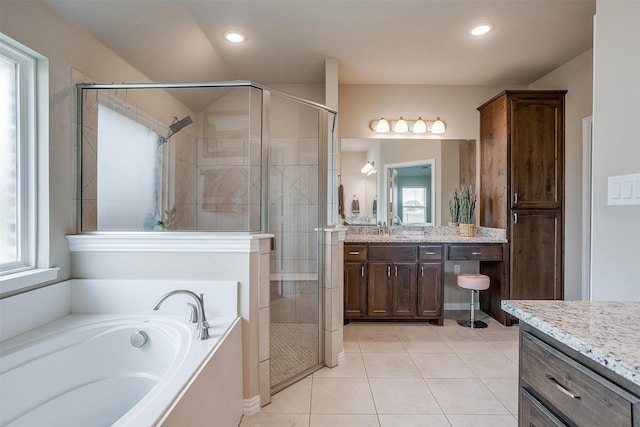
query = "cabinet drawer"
{"x": 434, "y": 252}
{"x": 392, "y": 253}
{"x": 573, "y": 389}
{"x": 475, "y": 252}
{"x": 355, "y": 252}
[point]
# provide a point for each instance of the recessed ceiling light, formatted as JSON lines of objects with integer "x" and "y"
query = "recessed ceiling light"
{"x": 234, "y": 37}
{"x": 479, "y": 30}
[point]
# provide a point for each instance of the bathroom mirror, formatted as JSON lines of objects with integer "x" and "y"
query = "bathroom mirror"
{"x": 452, "y": 163}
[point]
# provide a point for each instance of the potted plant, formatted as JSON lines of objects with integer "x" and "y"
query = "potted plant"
{"x": 454, "y": 208}
{"x": 467, "y": 202}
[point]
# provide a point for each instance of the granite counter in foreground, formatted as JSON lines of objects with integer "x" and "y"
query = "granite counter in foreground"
{"x": 605, "y": 332}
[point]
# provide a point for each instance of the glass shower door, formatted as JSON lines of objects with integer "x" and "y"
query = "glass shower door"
{"x": 296, "y": 346}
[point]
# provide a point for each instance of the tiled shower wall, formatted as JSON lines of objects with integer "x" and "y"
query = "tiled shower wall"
{"x": 178, "y": 159}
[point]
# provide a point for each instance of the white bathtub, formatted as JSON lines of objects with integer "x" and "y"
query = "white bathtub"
{"x": 82, "y": 370}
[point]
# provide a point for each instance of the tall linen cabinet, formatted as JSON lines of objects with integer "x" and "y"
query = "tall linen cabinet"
{"x": 522, "y": 189}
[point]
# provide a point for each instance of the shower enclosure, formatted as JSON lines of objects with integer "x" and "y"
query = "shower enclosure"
{"x": 218, "y": 157}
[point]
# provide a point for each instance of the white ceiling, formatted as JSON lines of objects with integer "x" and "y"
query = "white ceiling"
{"x": 375, "y": 41}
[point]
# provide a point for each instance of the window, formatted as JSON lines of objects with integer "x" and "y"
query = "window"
{"x": 20, "y": 71}
{"x": 414, "y": 205}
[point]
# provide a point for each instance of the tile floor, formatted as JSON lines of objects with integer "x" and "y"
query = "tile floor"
{"x": 406, "y": 375}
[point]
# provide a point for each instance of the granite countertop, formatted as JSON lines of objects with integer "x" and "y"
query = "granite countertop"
{"x": 417, "y": 234}
{"x": 605, "y": 332}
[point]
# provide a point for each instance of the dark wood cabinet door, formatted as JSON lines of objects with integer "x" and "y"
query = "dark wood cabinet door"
{"x": 430, "y": 285}
{"x": 533, "y": 413}
{"x": 536, "y": 254}
{"x": 537, "y": 146}
{"x": 379, "y": 289}
{"x": 355, "y": 290}
{"x": 404, "y": 290}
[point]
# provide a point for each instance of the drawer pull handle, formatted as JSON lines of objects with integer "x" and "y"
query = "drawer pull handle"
{"x": 429, "y": 253}
{"x": 354, "y": 253}
{"x": 563, "y": 389}
{"x": 362, "y": 270}
{"x": 476, "y": 253}
{"x": 388, "y": 271}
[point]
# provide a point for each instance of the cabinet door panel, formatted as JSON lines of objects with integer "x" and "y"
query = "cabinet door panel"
{"x": 536, "y": 254}
{"x": 355, "y": 290}
{"x": 379, "y": 289}
{"x": 430, "y": 289}
{"x": 404, "y": 289}
{"x": 537, "y": 145}
{"x": 534, "y": 414}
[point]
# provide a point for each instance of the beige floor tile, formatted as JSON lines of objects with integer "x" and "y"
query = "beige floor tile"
{"x": 381, "y": 344}
{"x": 506, "y": 390}
{"x": 341, "y": 396}
{"x": 275, "y": 420}
{"x": 390, "y": 365}
{"x": 379, "y": 329}
{"x": 482, "y": 421}
{"x": 403, "y": 396}
{"x": 465, "y": 397}
{"x": 295, "y": 399}
{"x": 351, "y": 346}
{"x": 442, "y": 366}
{"x": 321, "y": 420}
{"x": 490, "y": 365}
{"x": 461, "y": 345}
{"x": 413, "y": 421}
{"x": 351, "y": 367}
{"x": 426, "y": 343}
{"x": 514, "y": 356}
{"x": 415, "y": 330}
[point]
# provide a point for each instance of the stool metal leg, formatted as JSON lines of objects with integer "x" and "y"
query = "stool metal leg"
{"x": 472, "y": 323}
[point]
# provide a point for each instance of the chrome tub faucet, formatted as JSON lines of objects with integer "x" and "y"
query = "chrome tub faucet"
{"x": 201, "y": 318}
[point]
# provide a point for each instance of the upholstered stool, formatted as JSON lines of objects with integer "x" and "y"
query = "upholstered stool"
{"x": 474, "y": 282}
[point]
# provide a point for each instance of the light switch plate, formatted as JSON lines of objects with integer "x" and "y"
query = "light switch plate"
{"x": 623, "y": 190}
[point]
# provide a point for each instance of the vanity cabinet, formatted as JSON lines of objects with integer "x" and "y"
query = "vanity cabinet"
{"x": 393, "y": 281}
{"x": 522, "y": 187}
{"x": 557, "y": 390}
{"x": 355, "y": 281}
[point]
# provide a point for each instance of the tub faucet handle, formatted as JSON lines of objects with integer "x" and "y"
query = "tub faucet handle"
{"x": 193, "y": 317}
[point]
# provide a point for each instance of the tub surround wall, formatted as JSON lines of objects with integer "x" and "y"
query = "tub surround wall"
{"x": 237, "y": 257}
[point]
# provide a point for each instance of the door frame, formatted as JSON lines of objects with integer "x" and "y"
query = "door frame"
{"x": 587, "y": 167}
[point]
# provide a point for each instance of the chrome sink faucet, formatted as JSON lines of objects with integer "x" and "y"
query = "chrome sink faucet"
{"x": 201, "y": 318}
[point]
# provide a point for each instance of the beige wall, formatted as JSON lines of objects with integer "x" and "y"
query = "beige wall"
{"x": 616, "y": 149}
{"x": 577, "y": 77}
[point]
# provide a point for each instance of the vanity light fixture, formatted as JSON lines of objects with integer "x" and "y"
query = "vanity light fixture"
{"x": 234, "y": 37}
{"x": 368, "y": 167}
{"x": 402, "y": 126}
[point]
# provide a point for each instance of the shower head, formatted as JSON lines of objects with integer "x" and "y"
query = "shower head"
{"x": 175, "y": 127}
{"x": 178, "y": 125}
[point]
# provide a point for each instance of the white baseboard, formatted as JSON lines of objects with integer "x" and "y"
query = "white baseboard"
{"x": 251, "y": 406}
